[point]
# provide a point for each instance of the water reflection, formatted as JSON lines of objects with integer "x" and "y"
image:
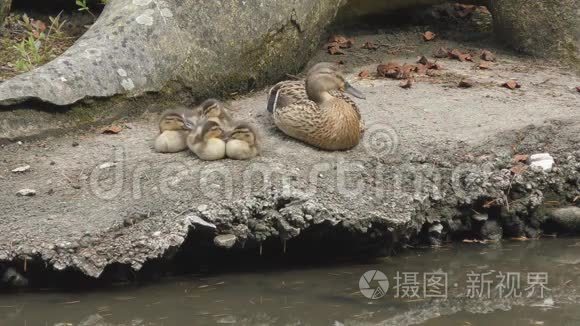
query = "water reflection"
{"x": 328, "y": 296}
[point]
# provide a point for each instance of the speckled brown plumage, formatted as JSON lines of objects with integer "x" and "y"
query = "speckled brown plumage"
{"x": 335, "y": 124}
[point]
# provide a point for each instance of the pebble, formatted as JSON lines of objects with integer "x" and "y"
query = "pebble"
{"x": 225, "y": 241}
{"x": 26, "y": 193}
{"x": 107, "y": 165}
{"x": 21, "y": 169}
{"x": 156, "y": 234}
{"x": 544, "y": 161}
{"x": 480, "y": 217}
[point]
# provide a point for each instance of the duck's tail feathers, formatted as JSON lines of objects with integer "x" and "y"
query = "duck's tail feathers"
{"x": 273, "y": 98}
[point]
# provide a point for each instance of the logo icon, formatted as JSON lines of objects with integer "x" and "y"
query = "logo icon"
{"x": 373, "y": 278}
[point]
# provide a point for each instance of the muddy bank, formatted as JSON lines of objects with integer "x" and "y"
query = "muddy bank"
{"x": 436, "y": 165}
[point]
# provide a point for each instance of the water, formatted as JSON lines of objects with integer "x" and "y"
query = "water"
{"x": 330, "y": 295}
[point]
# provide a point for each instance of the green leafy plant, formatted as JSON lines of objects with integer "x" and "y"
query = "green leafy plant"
{"x": 30, "y": 54}
{"x": 82, "y": 4}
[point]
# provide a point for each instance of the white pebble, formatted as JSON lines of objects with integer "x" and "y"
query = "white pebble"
{"x": 21, "y": 169}
{"x": 544, "y": 161}
{"x": 26, "y": 193}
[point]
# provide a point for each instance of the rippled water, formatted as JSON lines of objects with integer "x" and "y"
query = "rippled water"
{"x": 331, "y": 295}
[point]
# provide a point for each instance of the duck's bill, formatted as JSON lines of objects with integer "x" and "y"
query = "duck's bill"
{"x": 354, "y": 92}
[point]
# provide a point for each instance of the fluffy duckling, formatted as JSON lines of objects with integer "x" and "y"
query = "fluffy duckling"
{"x": 173, "y": 130}
{"x": 207, "y": 141}
{"x": 215, "y": 110}
{"x": 243, "y": 142}
{"x": 317, "y": 111}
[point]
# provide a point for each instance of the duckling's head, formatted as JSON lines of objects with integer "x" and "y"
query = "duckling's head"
{"x": 212, "y": 108}
{"x": 244, "y": 132}
{"x": 212, "y": 129}
{"x": 324, "y": 78}
{"x": 174, "y": 121}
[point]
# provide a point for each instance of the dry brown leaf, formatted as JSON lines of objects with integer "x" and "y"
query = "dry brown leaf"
{"x": 423, "y": 60}
{"x": 456, "y": 54}
{"x": 342, "y": 41}
{"x": 389, "y": 70}
{"x": 511, "y": 84}
{"x": 421, "y": 69}
{"x": 519, "y": 169}
{"x": 112, "y": 130}
{"x": 429, "y": 36}
{"x": 520, "y": 158}
{"x": 433, "y": 73}
{"x": 487, "y": 55}
{"x": 484, "y": 65}
{"x": 406, "y": 71}
{"x": 441, "y": 53}
{"x": 406, "y": 84}
{"x": 335, "y": 50}
{"x": 364, "y": 74}
{"x": 370, "y": 46}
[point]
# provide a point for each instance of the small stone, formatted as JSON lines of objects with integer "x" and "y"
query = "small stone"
{"x": 467, "y": 83}
{"x": 107, "y": 165}
{"x": 156, "y": 234}
{"x": 544, "y": 161}
{"x": 75, "y": 144}
{"x": 480, "y": 217}
{"x": 226, "y": 241}
{"x": 21, "y": 169}
{"x": 568, "y": 218}
{"x": 202, "y": 208}
{"x": 26, "y": 193}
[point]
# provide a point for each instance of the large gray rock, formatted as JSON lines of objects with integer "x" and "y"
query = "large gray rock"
{"x": 548, "y": 28}
{"x": 211, "y": 46}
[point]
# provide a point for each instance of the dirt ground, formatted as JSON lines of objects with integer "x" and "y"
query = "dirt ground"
{"x": 103, "y": 199}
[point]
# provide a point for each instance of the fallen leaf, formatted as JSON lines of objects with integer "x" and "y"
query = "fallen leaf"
{"x": 520, "y": 158}
{"x": 441, "y": 53}
{"x": 484, "y": 65}
{"x": 423, "y": 60}
{"x": 433, "y": 73}
{"x": 389, "y": 70}
{"x": 456, "y": 54}
{"x": 406, "y": 71}
{"x": 335, "y": 49}
{"x": 406, "y": 84}
{"x": 467, "y": 83}
{"x": 370, "y": 46}
{"x": 519, "y": 169}
{"x": 364, "y": 74}
{"x": 511, "y": 84}
{"x": 112, "y": 130}
{"x": 21, "y": 169}
{"x": 429, "y": 36}
{"x": 421, "y": 69}
{"x": 342, "y": 41}
{"x": 487, "y": 55}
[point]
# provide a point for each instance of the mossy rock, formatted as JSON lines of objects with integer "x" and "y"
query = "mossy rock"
{"x": 548, "y": 28}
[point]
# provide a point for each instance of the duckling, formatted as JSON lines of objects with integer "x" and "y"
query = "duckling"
{"x": 173, "y": 130}
{"x": 207, "y": 141}
{"x": 215, "y": 110}
{"x": 243, "y": 142}
{"x": 317, "y": 111}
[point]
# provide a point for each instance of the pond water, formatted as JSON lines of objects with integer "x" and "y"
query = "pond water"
{"x": 477, "y": 293}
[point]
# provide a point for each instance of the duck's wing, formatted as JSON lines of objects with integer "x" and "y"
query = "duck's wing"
{"x": 299, "y": 120}
{"x": 286, "y": 93}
